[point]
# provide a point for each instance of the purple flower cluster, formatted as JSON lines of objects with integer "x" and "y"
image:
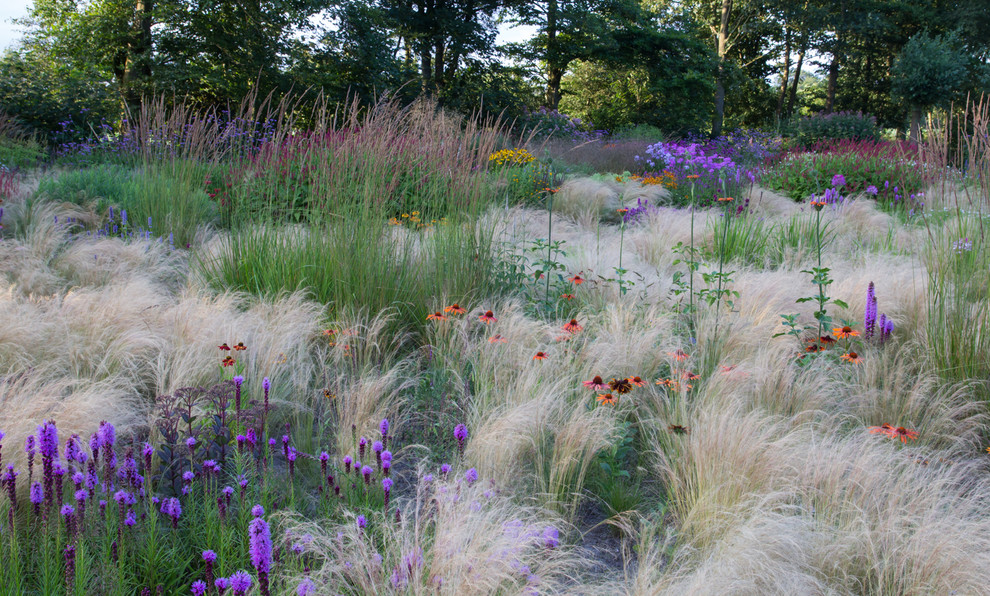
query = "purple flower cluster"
{"x": 871, "y": 324}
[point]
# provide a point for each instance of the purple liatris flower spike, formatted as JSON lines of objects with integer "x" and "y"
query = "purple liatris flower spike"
{"x": 471, "y": 476}
{"x": 386, "y": 467}
{"x": 198, "y": 588}
{"x": 362, "y": 522}
{"x": 257, "y": 511}
{"x": 238, "y": 381}
{"x": 870, "y": 312}
{"x": 386, "y": 456}
{"x": 70, "y": 569}
{"x": 366, "y": 471}
{"x": 362, "y": 445}
{"x": 221, "y": 584}
{"x": 551, "y": 537}
{"x": 882, "y": 322}
{"x": 172, "y": 508}
{"x": 240, "y": 582}
{"x": 81, "y": 495}
{"x": 888, "y": 329}
{"x": 383, "y": 428}
{"x": 306, "y": 587}
{"x": 68, "y": 513}
{"x": 209, "y": 557}
{"x": 444, "y": 470}
{"x": 347, "y": 464}
{"x": 838, "y": 181}
{"x": 460, "y": 433}
{"x": 260, "y": 548}
{"x": 387, "y": 487}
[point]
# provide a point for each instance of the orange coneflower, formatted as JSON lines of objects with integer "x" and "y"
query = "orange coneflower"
{"x": 224, "y": 347}
{"x": 818, "y": 205}
{"x": 606, "y": 398}
{"x": 903, "y": 434}
{"x": 488, "y": 317}
{"x": 677, "y": 429}
{"x": 329, "y": 332}
{"x": 540, "y": 356}
{"x": 622, "y": 211}
{"x": 455, "y": 309}
{"x": 496, "y": 339}
{"x": 240, "y": 346}
{"x": 844, "y": 332}
{"x": 573, "y": 326}
{"x": 827, "y": 340}
{"x": 852, "y": 357}
{"x": 437, "y": 316}
{"x": 690, "y": 376}
{"x": 724, "y": 199}
{"x": 567, "y": 296}
{"x": 577, "y": 279}
{"x": 691, "y": 176}
{"x": 620, "y": 386}
{"x": 596, "y": 383}
{"x": 813, "y": 348}
{"x": 637, "y": 381}
{"x": 678, "y": 355}
{"x": 228, "y": 361}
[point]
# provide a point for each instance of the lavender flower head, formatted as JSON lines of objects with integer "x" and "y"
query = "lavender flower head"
{"x": 238, "y": 381}
{"x": 383, "y": 427}
{"x": 362, "y": 522}
{"x": 445, "y": 469}
{"x": 366, "y": 471}
{"x": 257, "y": 511}
{"x": 48, "y": 440}
{"x": 870, "y": 312}
{"x": 872, "y": 190}
{"x": 838, "y": 181}
{"x": 266, "y": 384}
{"x": 551, "y": 537}
{"x": 377, "y": 447}
{"x": 260, "y": 545}
{"x": 209, "y": 556}
{"x": 306, "y": 587}
{"x": 198, "y": 588}
{"x": 221, "y": 584}
{"x": 81, "y": 495}
{"x": 471, "y": 476}
{"x": 386, "y": 456}
{"x": 387, "y": 484}
{"x": 240, "y": 582}
{"x": 37, "y": 495}
{"x": 191, "y": 442}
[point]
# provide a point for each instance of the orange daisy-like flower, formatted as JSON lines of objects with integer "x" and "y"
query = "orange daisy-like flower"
{"x": 329, "y": 332}
{"x": 455, "y": 308}
{"x": 540, "y": 356}
{"x": 852, "y": 357}
{"x": 690, "y": 376}
{"x": 606, "y": 399}
{"x": 637, "y": 381}
{"x": 678, "y": 355}
{"x": 813, "y": 348}
{"x": 240, "y": 346}
{"x": 844, "y": 332}
{"x": 826, "y": 340}
{"x": 573, "y": 326}
{"x": 691, "y": 176}
{"x": 677, "y": 429}
{"x": 496, "y": 339}
{"x": 724, "y": 199}
{"x": 728, "y": 369}
{"x": 228, "y": 361}
{"x": 327, "y": 394}
{"x": 883, "y": 429}
{"x": 567, "y": 296}
{"x": 437, "y": 316}
{"x": 620, "y": 386}
{"x": 818, "y": 205}
{"x": 577, "y": 279}
{"x": 622, "y": 211}
{"x": 224, "y": 347}
{"x": 903, "y": 434}
{"x": 596, "y": 383}
{"x": 488, "y": 317}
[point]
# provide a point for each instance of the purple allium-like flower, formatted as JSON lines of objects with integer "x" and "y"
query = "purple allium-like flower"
{"x": 188, "y": 476}
{"x": 427, "y": 478}
{"x": 551, "y": 537}
{"x": 362, "y": 522}
{"x": 306, "y": 587}
{"x": 870, "y": 312}
{"x": 838, "y": 181}
{"x": 260, "y": 545}
{"x": 191, "y": 443}
{"x": 362, "y": 444}
{"x": 445, "y": 469}
{"x": 377, "y": 447}
{"x": 221, "y": 584}
{"x": 347, "y": 464}
{"x": 460, "y": 433}
{"x": 471, "y": 476}
{"x": 366, "y": 471}
{"x": 257, "y": 511}
{"x": 240, "y": 582}
{"x": 172, "y": 508}
{"x": 872, "y": 190}
{"x": 209, "y": 556}
{"x": 198, "y": 588}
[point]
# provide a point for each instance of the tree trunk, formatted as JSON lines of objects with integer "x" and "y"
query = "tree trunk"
{"x": 797, "y": 75}
{"x": 723, "y": 40}
{"x": 786, "y": 75}
{"x": 554, "y": 70}
{"x": 833, "y": 82}
{"x": 916, "y": 124}
{"x": 137, "y": 63}
{"x": 426, "y": 70}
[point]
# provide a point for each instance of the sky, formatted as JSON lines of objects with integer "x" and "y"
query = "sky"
{"x": 11, "y": 33}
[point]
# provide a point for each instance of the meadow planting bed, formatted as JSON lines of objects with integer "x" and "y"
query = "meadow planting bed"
{"x": 390, "y": 351}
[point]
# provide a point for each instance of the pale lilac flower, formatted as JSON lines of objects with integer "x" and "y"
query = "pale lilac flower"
{"x": 198, "y": 588}
{"x": 240, "y": 582}
{"x": 471, "y": 476}
{"x": 257, "y": 511}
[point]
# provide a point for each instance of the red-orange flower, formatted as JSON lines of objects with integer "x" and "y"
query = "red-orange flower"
{"x": 224, "y": 347}
{"x": 637, "y": 381}
{"x": 495, "y": 339}
{"x": 577, "y": 279}
{"x": 540, "y": 356}
{"x": 623, "y": 211}
{"x": 329, "y": 332}
{"x": 724, "y": 199}
{"x": 818, "y": 205}
{"x": 827, "y": 340}
{"x": 690, "y": 376}
{"x": 691, "y": 176}
{"x": 677, "y": 429}
{"x": 903, "y": 434}
{"x": 573, "y": 326}
{"x": 844, "y": 332}
{"x": 883, "y": 429}
{"x": 240, "y": 346}
{"x": 488, "y": 317}
{"x": 596, "y": 383}
{"x": 437, "y": 316}
{"x": 678, "y": 355}
{"x": 455, "y": 309}
{"x": 228, "y": 361}
{"x": 852, "y": 357}
{"x": 727, "y": 369}
{"x": 606, "y": 398}
{"x": 567, "y": 296}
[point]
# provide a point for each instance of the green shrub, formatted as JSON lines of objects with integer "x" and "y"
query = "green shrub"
{"x": 18, "y": 154}
{"x": 835, "y": 126}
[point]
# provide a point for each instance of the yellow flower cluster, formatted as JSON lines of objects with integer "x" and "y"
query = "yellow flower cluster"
{"x": 666, "y": 179}
{"x": 413, "y": 220}
{"x": 511, "y": 157}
